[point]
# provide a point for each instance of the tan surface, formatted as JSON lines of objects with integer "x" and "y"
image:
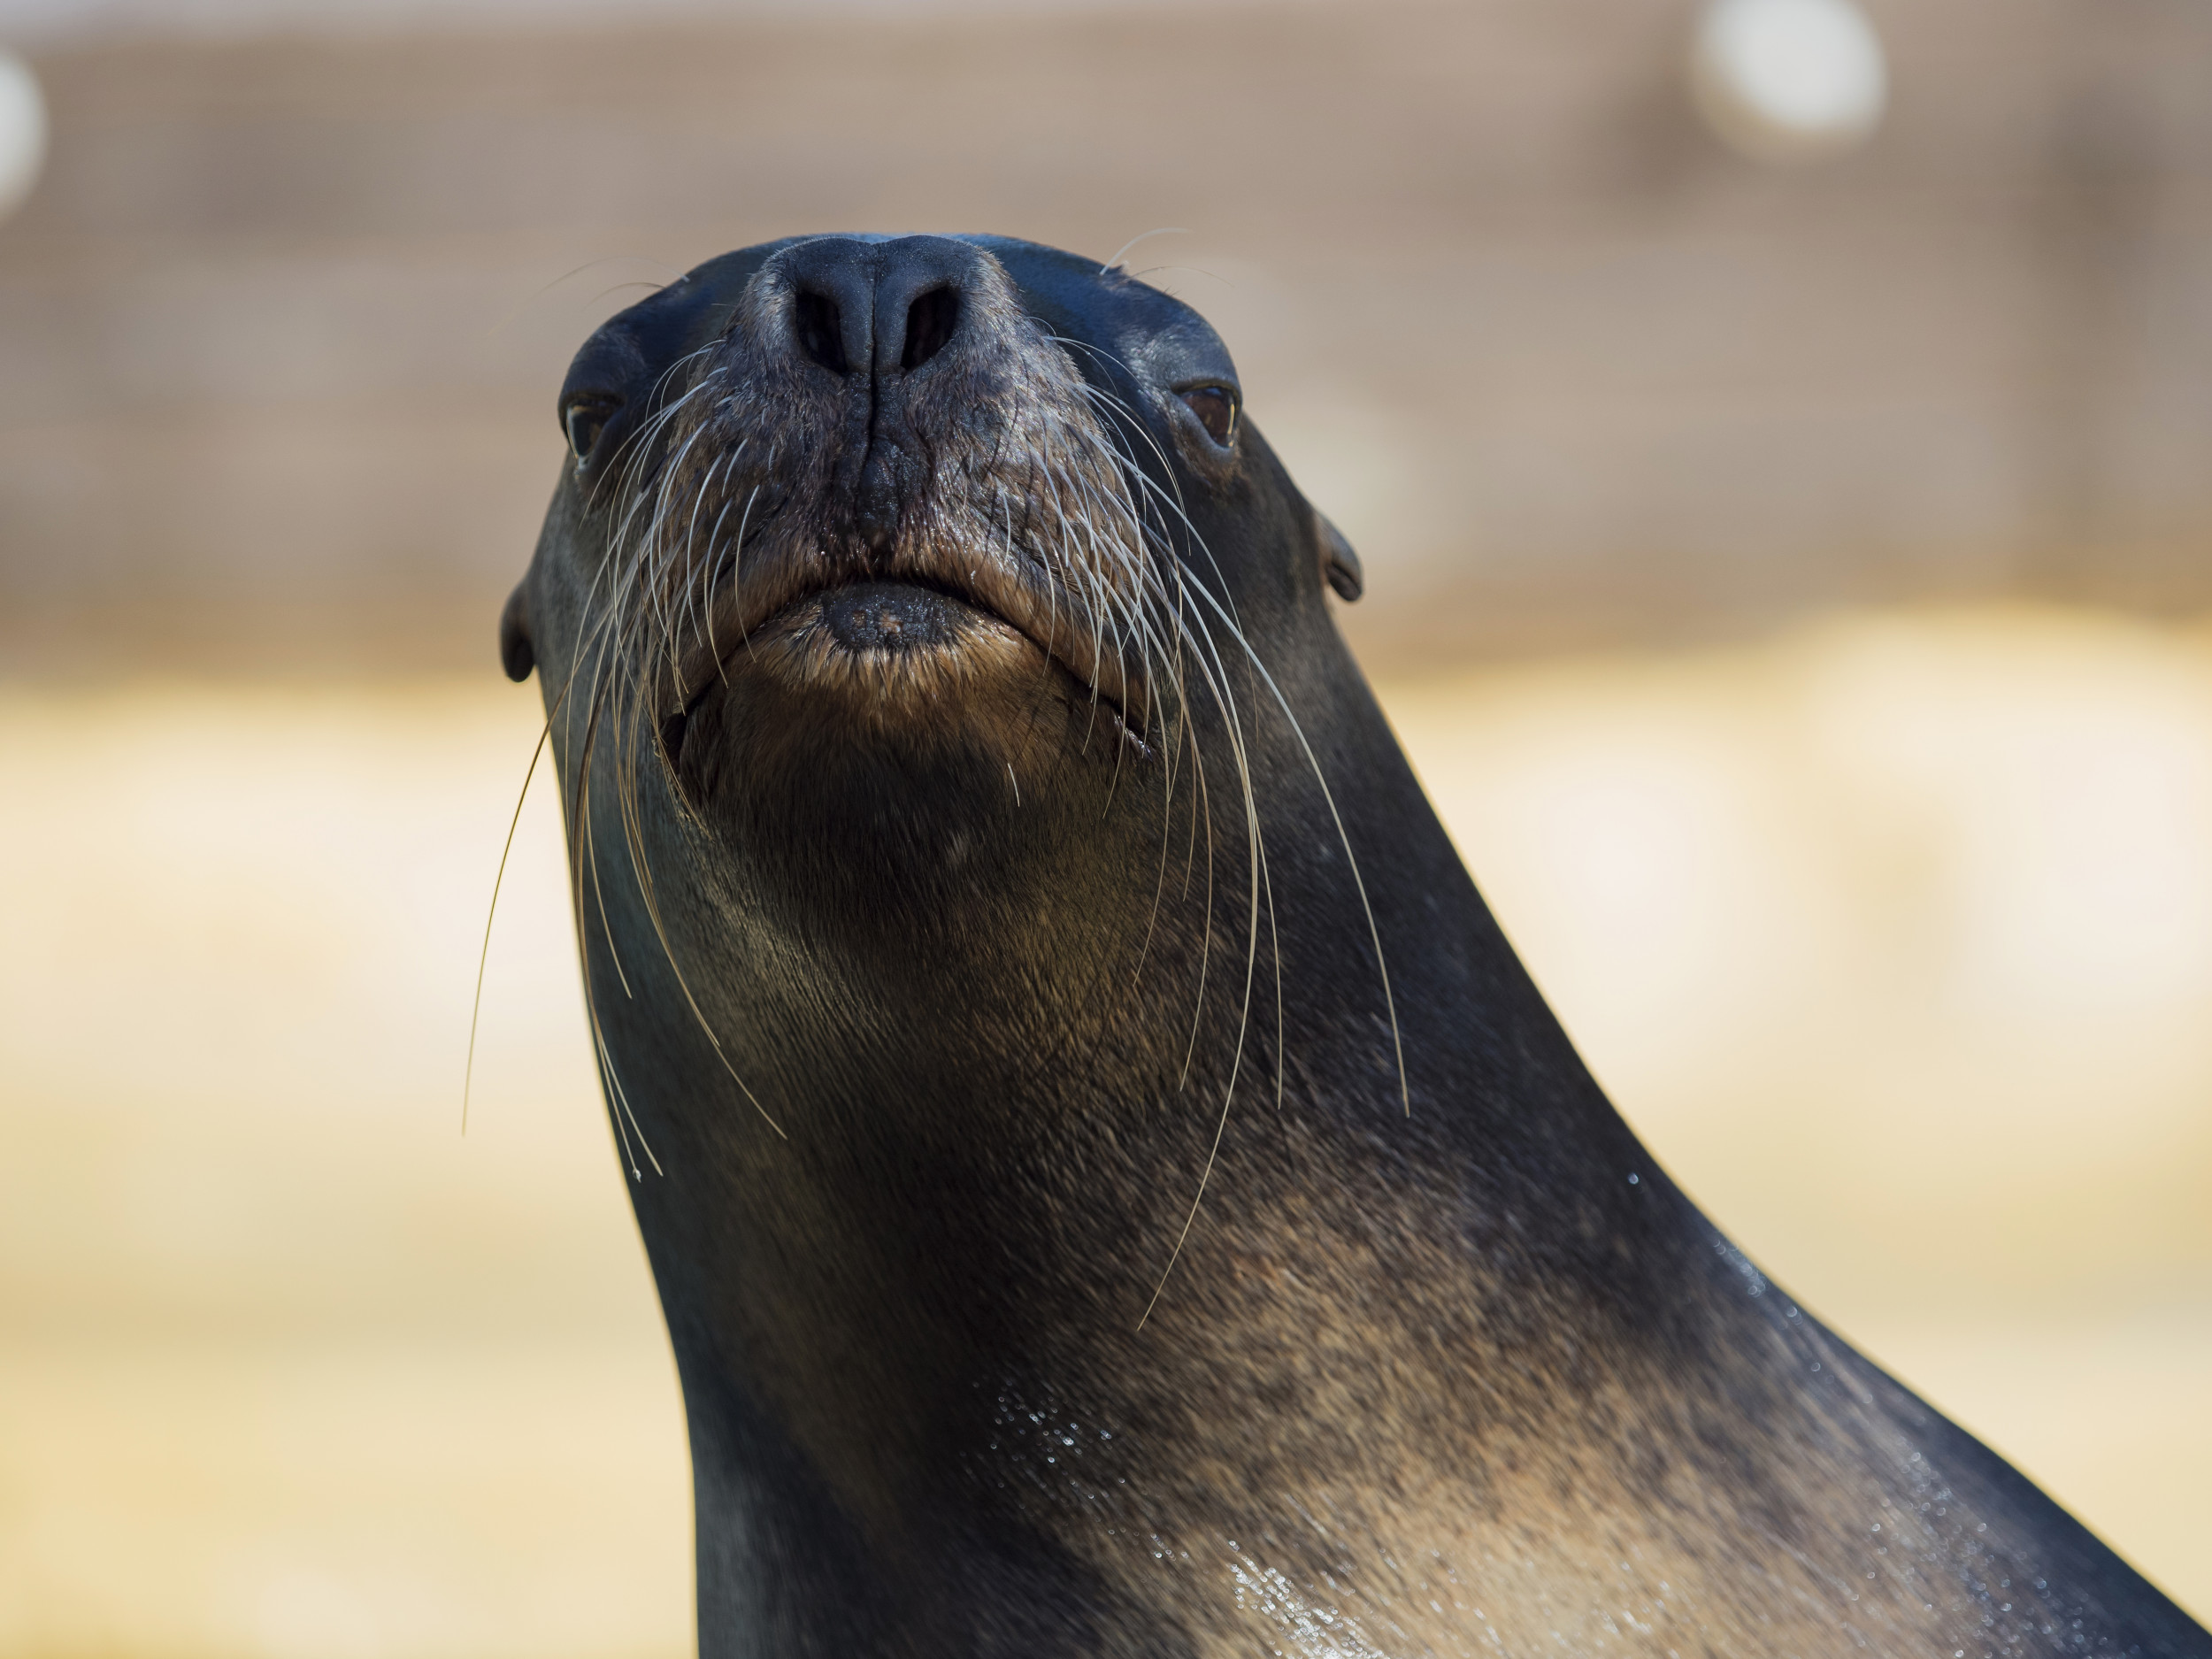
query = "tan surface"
{"x": 1894, "y": 937}
{"x": 289, "y": 1367}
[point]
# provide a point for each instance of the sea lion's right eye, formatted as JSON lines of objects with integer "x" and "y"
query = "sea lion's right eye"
{"x": 583, "y": 420}
{"x": 1216, "y": 407}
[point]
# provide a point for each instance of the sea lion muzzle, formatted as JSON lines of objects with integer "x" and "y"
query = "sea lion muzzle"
{"x": 883, "y": 416}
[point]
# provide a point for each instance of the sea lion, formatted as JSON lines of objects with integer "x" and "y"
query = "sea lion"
{"x": 1112, "y": 1187}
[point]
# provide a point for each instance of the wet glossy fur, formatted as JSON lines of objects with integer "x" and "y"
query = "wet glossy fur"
{"x": 935, "y": 986}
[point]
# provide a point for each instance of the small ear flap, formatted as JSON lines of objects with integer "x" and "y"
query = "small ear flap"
{"x": 1338, "y": 562}
{"x": 517, "y": 654}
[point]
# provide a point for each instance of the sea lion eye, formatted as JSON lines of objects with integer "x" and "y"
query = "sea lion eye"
{"x": 583, "y": 420}
{"x": 1216, "y": 407}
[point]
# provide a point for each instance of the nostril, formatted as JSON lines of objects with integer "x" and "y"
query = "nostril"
{"x": 930, "y": 321}
{"x": 820, "y": 330}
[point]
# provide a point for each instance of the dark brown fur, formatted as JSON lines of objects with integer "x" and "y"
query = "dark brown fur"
{"x": 1119, "y": 1192}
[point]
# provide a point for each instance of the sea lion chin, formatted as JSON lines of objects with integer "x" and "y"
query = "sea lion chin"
{"x": 1113, "y": 1189}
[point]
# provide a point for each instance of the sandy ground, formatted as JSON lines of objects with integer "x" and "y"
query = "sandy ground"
{"x": 1893, "y": 936}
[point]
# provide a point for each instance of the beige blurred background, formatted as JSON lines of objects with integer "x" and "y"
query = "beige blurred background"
{"x": 1792, "y": 580}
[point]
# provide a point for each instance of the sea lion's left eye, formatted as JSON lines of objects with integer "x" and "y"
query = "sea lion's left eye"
{"x": 583, "y": 420}
{"x": 1216, "y": 407}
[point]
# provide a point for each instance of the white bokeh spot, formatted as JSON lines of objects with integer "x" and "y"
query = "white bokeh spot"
{"x": 22, "y": 132}
{"x": 1786, "y": 80}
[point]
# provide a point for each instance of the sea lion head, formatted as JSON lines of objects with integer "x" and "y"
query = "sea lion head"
{"x": 923, "y": 588}
{"x": 842, "y": 503}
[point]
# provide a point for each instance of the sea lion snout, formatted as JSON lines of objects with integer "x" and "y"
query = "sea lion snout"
{"x": 865, "y": 499}
{"x": 868, "y": 318}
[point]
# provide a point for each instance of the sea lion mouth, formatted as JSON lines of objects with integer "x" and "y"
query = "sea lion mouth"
{"x": 911, "y": 609}
{"x": 906, "y": 644}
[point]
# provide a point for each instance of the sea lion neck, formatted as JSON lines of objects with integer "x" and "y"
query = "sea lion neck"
{"x": 958, "y": 1250}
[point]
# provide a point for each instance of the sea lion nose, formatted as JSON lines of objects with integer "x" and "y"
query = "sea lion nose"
{"x": 882, "y": 309}
{"x": 879, "y": 313}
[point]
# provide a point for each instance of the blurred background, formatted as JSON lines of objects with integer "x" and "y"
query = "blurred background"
{"x": 1780, "y": 435}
